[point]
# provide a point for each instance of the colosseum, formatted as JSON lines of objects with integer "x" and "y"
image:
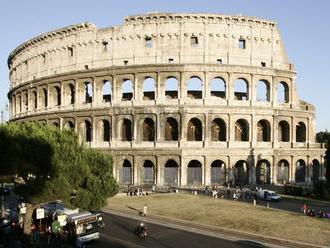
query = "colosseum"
{"x": 176, "y": 99}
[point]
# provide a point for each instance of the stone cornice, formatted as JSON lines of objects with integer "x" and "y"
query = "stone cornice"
{"x": 195, "y": 17}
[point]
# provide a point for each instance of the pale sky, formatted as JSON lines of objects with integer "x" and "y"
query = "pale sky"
{"x": 304, "y": 26}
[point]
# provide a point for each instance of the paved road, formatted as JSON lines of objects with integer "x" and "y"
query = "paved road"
{"x": 118, "y": 232}
{"x": 291, "y": 205}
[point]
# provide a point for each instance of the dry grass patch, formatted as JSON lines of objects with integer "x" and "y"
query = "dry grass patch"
{"x": 229, "y": 214}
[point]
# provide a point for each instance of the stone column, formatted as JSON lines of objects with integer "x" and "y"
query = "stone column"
{"x": 206, "y": 93}
{"x": 183, "y": 88}
{"x": 252, "y": 91}
{"x": 292, "y": 171}
{"x": 160, "y": 90}
{"x": 136, "y": 173}
{"x": 274, "y": 169}
{"x": 183, "y": 128}
{"x": 230, "y": 89}
{"x": 159, "y": 121}
{"x": 307, "y": 172}
{"x": 274, "y": 86}
{"x": 136, "y": 84}
{"x": 183, "y": 172}
{"x": 207, "y": 171}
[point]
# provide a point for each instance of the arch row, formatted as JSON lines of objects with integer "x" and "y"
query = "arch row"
{"x": 193, "y": 172}
{"x": 156, "y": 87}
{"x": 171, "y": 127}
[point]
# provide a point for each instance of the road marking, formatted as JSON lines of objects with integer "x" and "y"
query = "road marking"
{"x": 121, "y": 241}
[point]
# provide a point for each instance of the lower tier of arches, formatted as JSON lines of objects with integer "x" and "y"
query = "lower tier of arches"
{"x": 201, "y": 170}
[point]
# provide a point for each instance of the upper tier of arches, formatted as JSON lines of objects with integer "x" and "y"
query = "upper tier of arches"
{"x": 154, "y": 88}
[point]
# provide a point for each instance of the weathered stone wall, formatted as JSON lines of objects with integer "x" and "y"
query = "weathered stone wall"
{"x": 59, "y": 78}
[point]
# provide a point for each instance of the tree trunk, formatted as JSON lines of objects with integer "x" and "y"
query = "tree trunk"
{"x": 28, "y": 216}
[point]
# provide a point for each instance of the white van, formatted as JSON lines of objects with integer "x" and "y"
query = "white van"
{"x": 268, "y": 195}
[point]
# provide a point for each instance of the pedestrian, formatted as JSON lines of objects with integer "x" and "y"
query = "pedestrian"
{"x": 254, "y": 202}
{"x": 304, "y": 208}
{"x": 145, "y": 210}
{"x": 153, "y": 189}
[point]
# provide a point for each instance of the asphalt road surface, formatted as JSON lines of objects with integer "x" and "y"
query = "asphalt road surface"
{"x": 119, "y": 232}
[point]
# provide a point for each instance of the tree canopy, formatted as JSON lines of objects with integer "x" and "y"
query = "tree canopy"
{"x": 323, "y": 136}
{"x": 55, "y": 166}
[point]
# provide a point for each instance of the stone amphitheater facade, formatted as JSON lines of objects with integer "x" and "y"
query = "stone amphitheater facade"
{"x": 176, "y": 99}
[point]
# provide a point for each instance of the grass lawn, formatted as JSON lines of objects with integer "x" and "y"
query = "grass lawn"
{"x": 229, "y": 214}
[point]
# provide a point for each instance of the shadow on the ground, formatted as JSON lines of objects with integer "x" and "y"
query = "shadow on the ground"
{"x": 248, "y": 243}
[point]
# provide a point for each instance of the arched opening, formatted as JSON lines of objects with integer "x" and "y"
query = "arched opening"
{"x": 148, "y": 172}
{"x": 45, "y": 97}
{"x": 218, "y": 88}
{"x": 106, "y": 131}
{"x": 127, "y": 90}
{"x": 241, "y": 92}
{"x": 241, "y": 130}
{"x": 85, "y": 131}
{"x": 301, "y": 132}
{"x": 241, "y": 173}
{"x": 127, "y": 173}
{"x": 126, "y": 131}
{"x": 195, "y": 88}
{"x": 107, "y": 90}
{"x": 194, "y": 130}
{"x": 171, "y": 88}
{"x": 218, "y": 172}
{"x": 26, "y": 101}
{"x": 149, "y": 88}
{"x": 56, "y": 124}
{"x": 171, "y": 173}
{"x": 263, "y": 172}
{"x": 20, "y": 103}
{"x": 194, "y": 175}
{"x": 218, "y": 130}
{"x": 263, "y": 91}
{"x": 171, "y": 129}
{"x": 72, "y": 93}
{"x": 283, "y": 131}
{"x": 88, "y": 92}
{"x": 283, "y": 92}
{"x": 69, "y": 125}
{"x": 35, "y": 100}
{"x": 300, "y": 171}
{"x": 282, "y": 172}
{"x": 57, "y": 96}
{"x": 263, "y": 131}
{"x": 148, "y": 130}
{"x": 316, "y": 170}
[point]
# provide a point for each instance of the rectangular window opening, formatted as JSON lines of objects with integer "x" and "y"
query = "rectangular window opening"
{"x": 125, "y": 62}
{"x": 241, "y": 44}
{"x": 105, "y": 45}
{"x": 70, "y": 51}
{"x": 170, "y": 60}
{"x": 219, "y": 61}
{"x": 43, "y": 57}
{"x": 194, "y": 41}
{"x": 148, "y": 41}
{"x": 263, "y": 64}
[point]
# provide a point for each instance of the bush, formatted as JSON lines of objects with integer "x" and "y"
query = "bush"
{"x": 293, "y": 190}
{"x": 321, "y": 190}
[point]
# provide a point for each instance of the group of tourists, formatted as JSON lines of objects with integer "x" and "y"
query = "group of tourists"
{"x": 131, "y": 191}
{"x": 306, "y": 210}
